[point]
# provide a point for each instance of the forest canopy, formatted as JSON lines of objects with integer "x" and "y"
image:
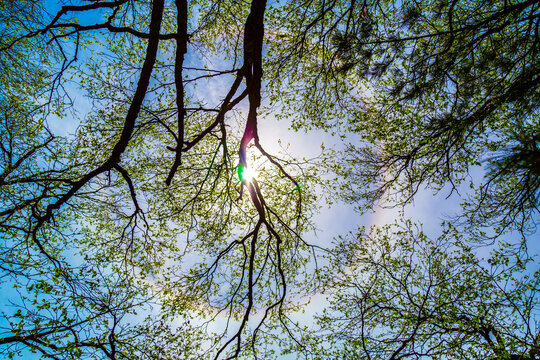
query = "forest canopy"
{"x": 147, "y": 210}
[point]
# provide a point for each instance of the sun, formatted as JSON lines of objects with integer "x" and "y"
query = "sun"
{"x": 248, "y": 174}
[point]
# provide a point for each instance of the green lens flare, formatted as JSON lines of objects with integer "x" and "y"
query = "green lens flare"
{"x": 240, "y": 172}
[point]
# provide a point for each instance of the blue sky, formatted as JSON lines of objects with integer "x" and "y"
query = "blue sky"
{"x": 337, "y": 219}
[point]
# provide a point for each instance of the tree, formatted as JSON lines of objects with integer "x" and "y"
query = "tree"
{"x": 456, "y": 87}
{"x": 112, "y": 218}
{"x": 402, "y": 295}
{"x": 149, "y": 203}
{"x": 447, "y": 86}
{"x": 433, "y": 90}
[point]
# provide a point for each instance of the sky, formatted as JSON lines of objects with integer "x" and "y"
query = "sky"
{"x": 332, "y": 221}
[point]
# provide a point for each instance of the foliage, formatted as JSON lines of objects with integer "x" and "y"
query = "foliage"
{"x": 455, "y": 84}
{"x": 403, "y": 295}
{"x": 141, "y": 205}
{"x": 434, "y": 90}
{"x": 140, "y": 235}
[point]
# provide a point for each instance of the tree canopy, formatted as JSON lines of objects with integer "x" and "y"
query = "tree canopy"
{"x": 168, "y": 225}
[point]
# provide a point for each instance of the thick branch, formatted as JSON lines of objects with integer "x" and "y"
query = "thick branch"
{"x": 252, "y": 70}
{"x": 181, "y": 50}
{"x": 129, "y": 123}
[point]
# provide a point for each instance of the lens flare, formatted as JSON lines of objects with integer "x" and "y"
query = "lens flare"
{"x": 249, "y": 174}
{"x": 246, "y": 174}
